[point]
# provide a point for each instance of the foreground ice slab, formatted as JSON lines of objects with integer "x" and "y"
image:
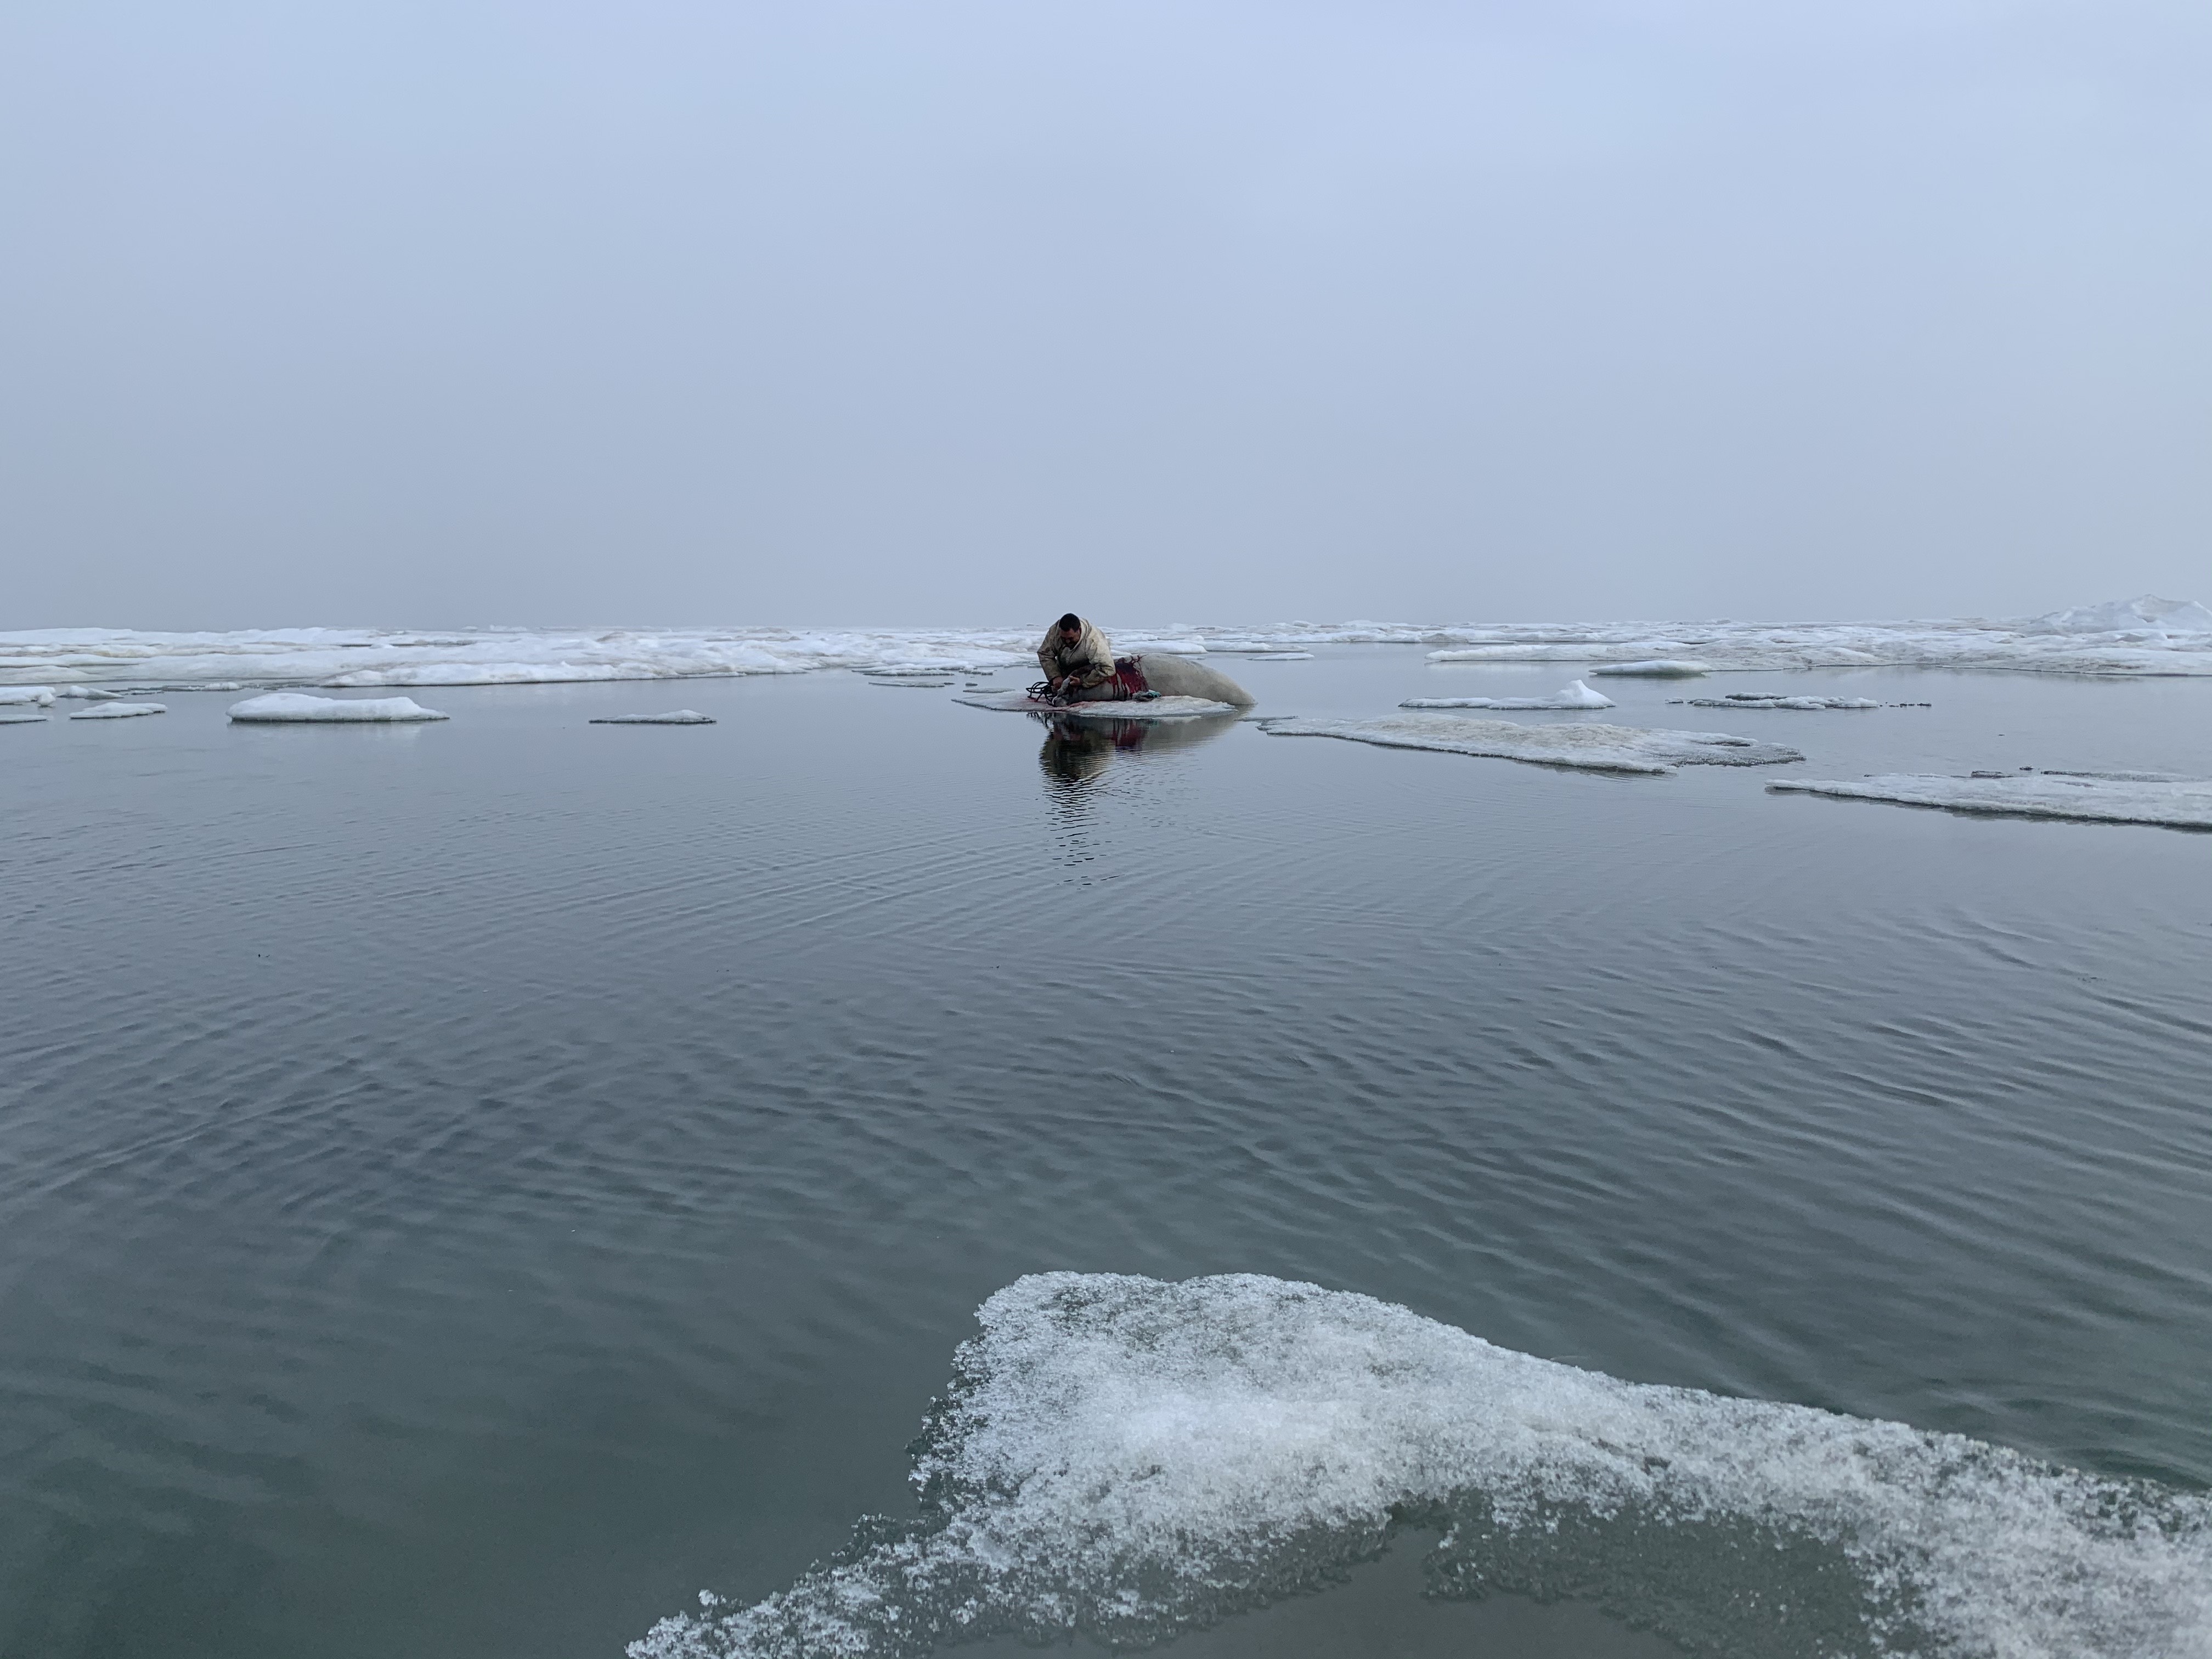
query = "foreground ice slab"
{"x": 291, "y": 708}
{"x": 1129, "y": 1459}
{"x": 119, "y": 711}
{"x": 1576, "y": 695}
{"x": 42, "y": 695}
{"x": 1160, "y": 708}
{"x": 673, "y": 717}
{"x": 2091, "y": 797}
{"x": 1590, "y": 748}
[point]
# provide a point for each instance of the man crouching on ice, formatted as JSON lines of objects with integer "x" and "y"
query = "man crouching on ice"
{"x": 1076, "y": 660}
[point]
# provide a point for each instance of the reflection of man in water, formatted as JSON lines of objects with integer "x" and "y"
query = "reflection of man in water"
{"x": 1075, "y": 750}
{"x": 1077, "y": 661}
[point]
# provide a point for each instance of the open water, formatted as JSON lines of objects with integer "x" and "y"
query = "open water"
{"x": 464, "y": 1189}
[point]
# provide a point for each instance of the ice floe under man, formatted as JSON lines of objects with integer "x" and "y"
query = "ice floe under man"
{"x": 1078, "y": 662}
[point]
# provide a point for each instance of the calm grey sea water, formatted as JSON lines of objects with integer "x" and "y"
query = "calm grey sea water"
{"x": 464, "y": 1189}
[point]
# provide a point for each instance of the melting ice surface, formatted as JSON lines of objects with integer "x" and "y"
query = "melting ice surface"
{"x": 1591, "y": 748}
{"x": 1129, "y": 1458}
{"x": 2146, "y": 635}
{"x": 1574, "y": 695}
{"x": 2089, "y": 797}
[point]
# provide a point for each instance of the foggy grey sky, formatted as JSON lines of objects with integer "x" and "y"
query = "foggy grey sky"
{"x": 384, "y": 311}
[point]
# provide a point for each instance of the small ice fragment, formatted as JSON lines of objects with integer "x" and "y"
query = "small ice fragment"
{"x": 43, "y": 696}
{"x": 1657, "y": 668}
{"x": 118, "y": 711}
{"x": 1576, "y": 695}
{"x": 17, "y": 717}
{"x": 96, "y": 693}
{"x": 673, "y": 717}
{"x": 297, "y": 708}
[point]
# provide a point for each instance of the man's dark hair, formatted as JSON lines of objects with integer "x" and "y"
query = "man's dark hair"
{"x": 1073, "y": 622}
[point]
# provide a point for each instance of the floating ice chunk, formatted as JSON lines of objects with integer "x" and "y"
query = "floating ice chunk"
{"x": 290, "y": 707}
{"x": 1153, "y": 709}
{"x": 1575, "y": 695}
{"x": 1131, "y": 1459}
{"x": 1657, "y": 668}
{"x": 19, "y": 717}
{"x": 43, "y": 696}
{"x": 912, "y": 682}
{"x": 118, "y": 711}
{"x": 2090, "y": 796}
{"x": 1279, "y": 656}
{"x": 1760, "y": 700}
{"x": 1590, "y": 748}
{"x": 673, "y": 717}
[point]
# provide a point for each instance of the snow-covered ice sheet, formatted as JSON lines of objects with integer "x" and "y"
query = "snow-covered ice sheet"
{"x": 1158, "y": 709}
{"x": 42, "y": 695}
{"x": 1129, "y": 1458}
{"x": 673, "y": 717}
{"x": 1658, "y": 668}
{"x": 1593, "y": 748}
{"x": 1574, "y": 695}
{"x": 2148, "y": 636}
{"x": 2089, "y": 797}
{"x": 293, "y": 707}
{"x": 118, "y": 711}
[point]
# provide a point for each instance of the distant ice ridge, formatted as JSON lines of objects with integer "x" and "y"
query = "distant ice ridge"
{"x": 2155, "y": 797}
{"x": 1591, "y": 748}
{"x": 1574, "y": 695}
{"x": 1129, "y": 1458}
{"x": 293, "y": 708}
{"x": 2146, "y": 635}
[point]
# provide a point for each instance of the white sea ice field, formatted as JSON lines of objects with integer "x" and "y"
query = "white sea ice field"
{"x": 1593, "y": 748}
{"x": 292, "y": 707}
{"x": 2143, "y": 637}
{"x": 2087, "y": 797}
{"x": 1128, "y": 1458}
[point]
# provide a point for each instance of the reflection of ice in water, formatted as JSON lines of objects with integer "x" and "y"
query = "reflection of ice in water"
{"x": 1130, "y": 1458}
